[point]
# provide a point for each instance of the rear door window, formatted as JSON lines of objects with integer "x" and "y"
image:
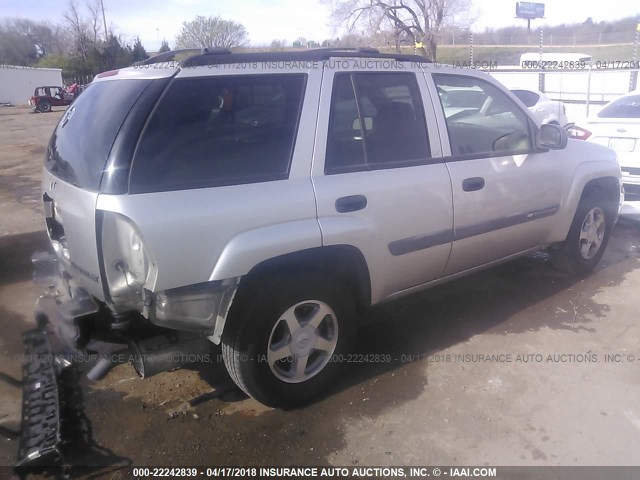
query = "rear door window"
{"x": 81, "y": 142}
{"x": 221, "y": 130}
{"x": 376, "y": 121}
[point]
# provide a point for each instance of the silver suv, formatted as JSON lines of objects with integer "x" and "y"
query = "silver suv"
{"x": 265, "y": 201}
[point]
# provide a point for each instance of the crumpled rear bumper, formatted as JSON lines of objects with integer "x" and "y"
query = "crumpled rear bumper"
{"x": 67, "y": 309}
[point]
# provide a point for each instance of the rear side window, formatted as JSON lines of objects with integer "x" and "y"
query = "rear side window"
{"x": 376, "y": 121}
{"x": 221, "y": 130}
{"x": 527, "y": 97}
{"x": 624, "y": 107}
{"x": 81, "y": 142}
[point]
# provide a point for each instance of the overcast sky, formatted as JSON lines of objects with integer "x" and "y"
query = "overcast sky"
{"x": 266, "y": 20}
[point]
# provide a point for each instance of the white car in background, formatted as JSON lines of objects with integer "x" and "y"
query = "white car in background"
{"x": 543, "y": 108}
{"x": 617, "y": 126}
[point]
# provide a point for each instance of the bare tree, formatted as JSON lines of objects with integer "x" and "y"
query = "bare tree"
{"x": 211, "y": 32}
{"x": 84, "y": 31}
{"x": 77, "y": 28}
{"x": 420, "y": 20}
{"x": 94, "y": 20}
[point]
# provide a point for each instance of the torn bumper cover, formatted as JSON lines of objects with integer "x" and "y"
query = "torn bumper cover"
{"x": 200, "y": 308}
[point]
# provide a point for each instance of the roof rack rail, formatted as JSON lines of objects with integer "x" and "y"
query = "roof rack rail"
{"x": 215, "y": 51}
{"x": 169, "y": 56}
{"x": 311, "y": 55}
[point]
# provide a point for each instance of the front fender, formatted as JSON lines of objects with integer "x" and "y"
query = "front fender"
{"x": 603, "y": 165}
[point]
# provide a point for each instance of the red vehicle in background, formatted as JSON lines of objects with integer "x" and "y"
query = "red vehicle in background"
{"x": 44, "y": 98}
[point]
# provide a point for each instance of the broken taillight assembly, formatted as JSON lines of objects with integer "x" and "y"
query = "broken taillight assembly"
{"x": 129, "y": 268}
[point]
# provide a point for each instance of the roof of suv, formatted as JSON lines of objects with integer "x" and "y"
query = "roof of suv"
{"x": 216, "y": 56}
{"x": 165, "y": 64}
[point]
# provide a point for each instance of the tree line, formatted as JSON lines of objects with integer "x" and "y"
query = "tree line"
{"x": 80, "y": 44}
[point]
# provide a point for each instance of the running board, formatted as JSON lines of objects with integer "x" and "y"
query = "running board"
{"x": 40, "y": 437}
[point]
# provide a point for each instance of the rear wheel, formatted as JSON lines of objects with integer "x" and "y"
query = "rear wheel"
{"x": 285, "y": 335}
{"x": 44, "y": 106}
{"x": 588, "y": 236}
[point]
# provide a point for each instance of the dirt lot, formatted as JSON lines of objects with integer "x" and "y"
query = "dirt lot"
{"x": 437, "y": 402}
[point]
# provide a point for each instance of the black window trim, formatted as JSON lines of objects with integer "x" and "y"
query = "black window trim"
{"x": 125, "y": 145}
{"x": 366, "y": 167}
{"x": 212, "y": 183}
{"x": 479, "y": 156}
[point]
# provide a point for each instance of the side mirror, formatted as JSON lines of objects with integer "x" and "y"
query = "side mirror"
{"x": 553, "y": 137}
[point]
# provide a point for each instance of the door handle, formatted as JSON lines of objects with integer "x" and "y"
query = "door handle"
{"x": 352, "y": 203}
{"x": 472, "y": 184}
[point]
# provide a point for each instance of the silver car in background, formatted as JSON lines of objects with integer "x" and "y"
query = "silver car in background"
{"x": 542, "y": 107}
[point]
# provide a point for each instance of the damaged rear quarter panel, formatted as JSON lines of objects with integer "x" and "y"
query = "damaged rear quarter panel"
{"x": 216, "y": 233}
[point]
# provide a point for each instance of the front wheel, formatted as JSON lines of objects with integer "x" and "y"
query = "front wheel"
{"x": 285, "y": 337}
{"x": 587, "y": 238}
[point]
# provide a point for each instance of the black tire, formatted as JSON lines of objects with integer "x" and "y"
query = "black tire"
{"x": 258, "y": 307}
{"x": 568, "y": 256}
{"x": 44, "y": 106}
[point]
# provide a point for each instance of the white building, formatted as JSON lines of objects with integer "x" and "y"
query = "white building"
{"x": 18, "y": 83}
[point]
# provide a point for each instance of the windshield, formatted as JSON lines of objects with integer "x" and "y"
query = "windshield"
{"x": 81, "y": 142}
{"x": 624, "y": 107}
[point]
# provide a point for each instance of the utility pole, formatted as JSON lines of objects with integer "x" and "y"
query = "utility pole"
{"x": 540, "y": 64}
{"x": 104, "y": 21}
{"x": 633, "y": 80}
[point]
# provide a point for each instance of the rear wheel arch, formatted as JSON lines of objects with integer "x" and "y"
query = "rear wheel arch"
{"x": 345, "y": 262}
